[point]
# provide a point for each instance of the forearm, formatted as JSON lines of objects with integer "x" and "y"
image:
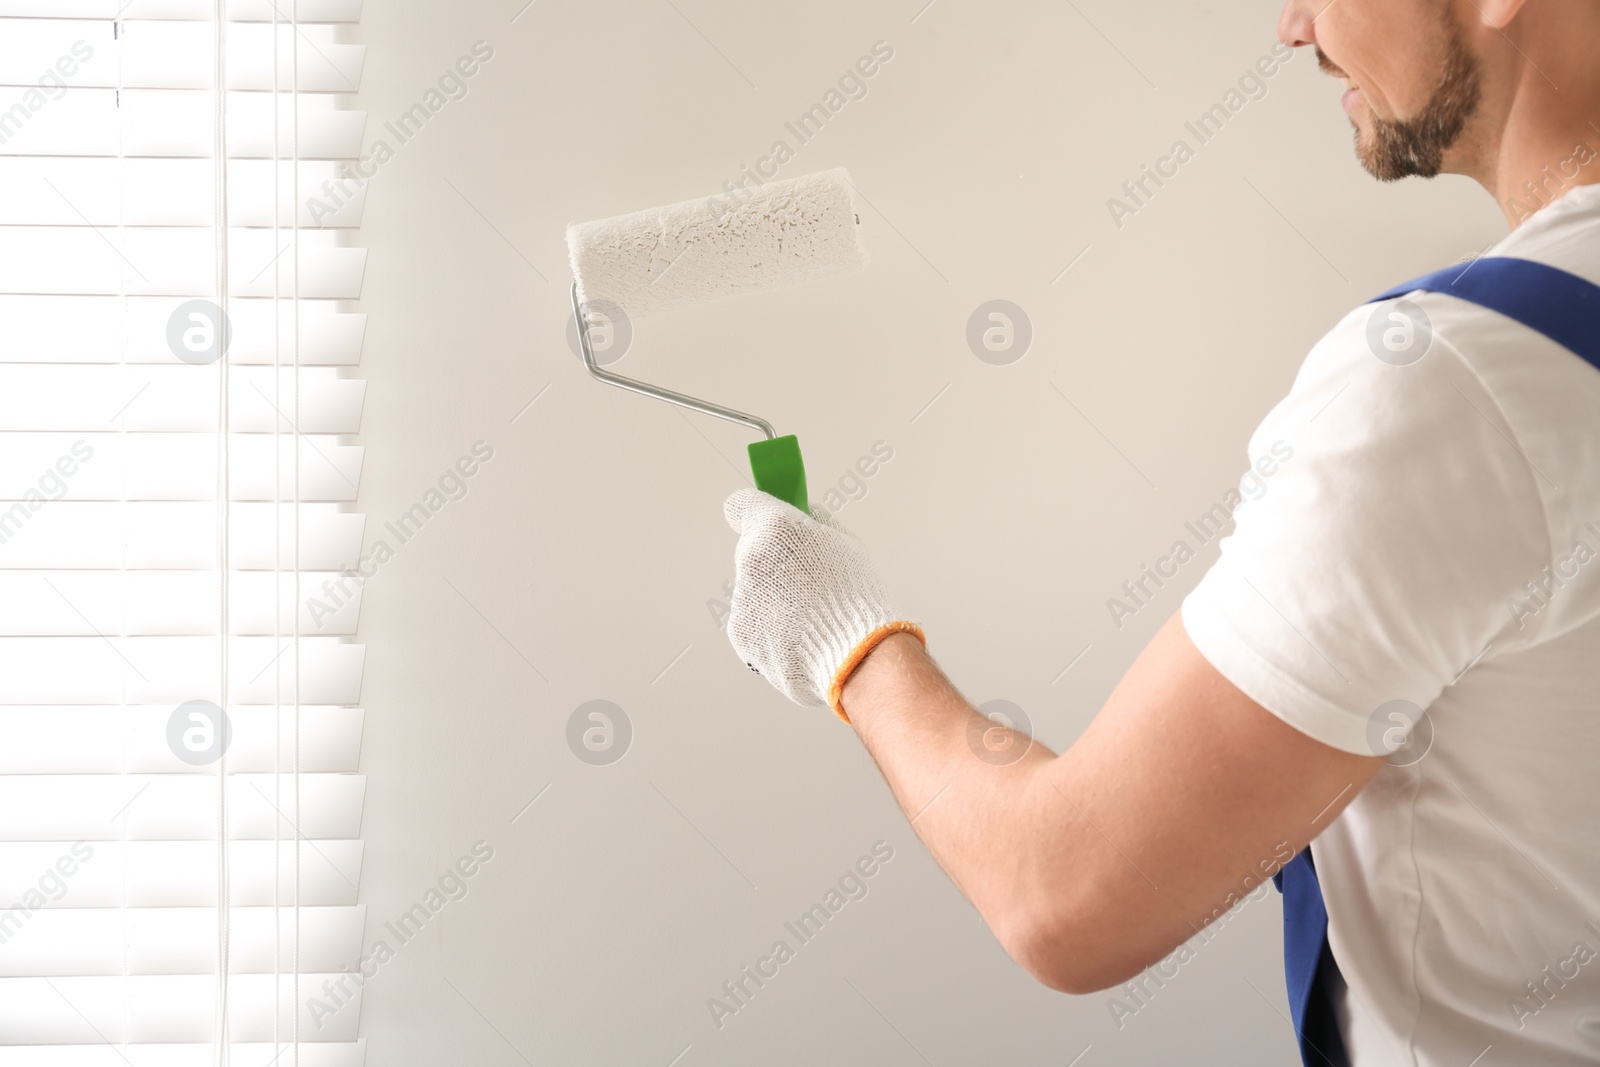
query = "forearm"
{"x": 971, "y": 788}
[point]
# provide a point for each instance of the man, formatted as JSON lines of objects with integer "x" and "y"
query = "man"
{"x": 1431, "y": 545}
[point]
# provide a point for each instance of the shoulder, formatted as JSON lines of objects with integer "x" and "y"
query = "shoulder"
{"x": 1375, "y": 562}
{"x": 1389, "y": 389}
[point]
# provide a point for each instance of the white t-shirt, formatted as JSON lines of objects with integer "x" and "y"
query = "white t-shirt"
{"x": 1389, "y": 558}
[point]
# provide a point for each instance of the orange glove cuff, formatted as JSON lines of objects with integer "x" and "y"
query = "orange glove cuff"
{"x": 860, "y": 652}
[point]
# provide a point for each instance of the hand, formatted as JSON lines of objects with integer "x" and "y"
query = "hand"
{"x": 808, "y": 604}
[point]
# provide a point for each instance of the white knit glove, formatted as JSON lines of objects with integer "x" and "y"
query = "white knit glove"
{"x": 808, "y": 604}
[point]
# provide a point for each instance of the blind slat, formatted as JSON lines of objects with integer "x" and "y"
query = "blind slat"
{"x": 133, "y": 10}
{"x": 173, "y": 55}
{"x": 174, "y": 807}
{"x": 96, "y": 329}
{"x": 243, "y": 1054}
{"x": 176, "y": 874}
{"x": 178, "y": 398}
{"x": 153, "y": 603}
{"x": 101, "y": 191}
{"x": 170, "y": 122}
{"x": 176, "y": 939}
{"x": 115, "y": 739}
{"x": 175, "y": 260}
{"x": 164, "y": 1008}
{"x": 167, "y": 466}
{"x": 178, "y": 535}
{"x": 62, "y": 942}
{"x": 171, "y": 670}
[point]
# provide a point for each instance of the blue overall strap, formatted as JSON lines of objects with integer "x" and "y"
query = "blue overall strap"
{"x": 1308, "y": 964}
{"x": 1558, "y": 304}
{"x": 1566, "y": 309}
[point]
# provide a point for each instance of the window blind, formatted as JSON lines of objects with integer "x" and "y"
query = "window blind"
{"x": 177, "y": 884}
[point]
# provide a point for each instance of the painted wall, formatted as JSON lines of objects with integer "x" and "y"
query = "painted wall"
{"x": 585, "y": 558}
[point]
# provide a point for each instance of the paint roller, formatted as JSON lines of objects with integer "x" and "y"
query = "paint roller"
{"x": 753, "y": 240}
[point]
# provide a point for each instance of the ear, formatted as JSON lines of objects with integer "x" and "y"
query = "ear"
{"x": 1497, "y": 14}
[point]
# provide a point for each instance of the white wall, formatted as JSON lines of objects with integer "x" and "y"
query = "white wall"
{"x": 581, "y": 560}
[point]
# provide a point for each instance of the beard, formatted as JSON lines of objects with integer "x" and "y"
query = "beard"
{"x": 1402, "y": 148}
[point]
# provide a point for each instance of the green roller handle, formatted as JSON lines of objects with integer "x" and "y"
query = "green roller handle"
{"x": 778, "y": 469}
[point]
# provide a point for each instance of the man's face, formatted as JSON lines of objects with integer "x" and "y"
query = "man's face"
{"x": 1412, "y": 81}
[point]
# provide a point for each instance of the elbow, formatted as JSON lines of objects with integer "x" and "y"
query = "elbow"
{"x": 1068, "y": 953}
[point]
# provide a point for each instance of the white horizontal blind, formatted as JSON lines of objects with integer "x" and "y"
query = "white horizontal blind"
{"x": 121, "y": 557}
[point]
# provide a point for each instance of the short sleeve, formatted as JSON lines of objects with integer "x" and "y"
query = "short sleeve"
{"x": 1374, "y": 561}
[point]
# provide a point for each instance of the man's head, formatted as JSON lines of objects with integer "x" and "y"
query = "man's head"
{"x": 1505, "y": 91}
{"x": 1413, "y": 81}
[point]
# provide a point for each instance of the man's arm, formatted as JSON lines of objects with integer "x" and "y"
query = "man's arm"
{"x": 1181, "y": 796}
